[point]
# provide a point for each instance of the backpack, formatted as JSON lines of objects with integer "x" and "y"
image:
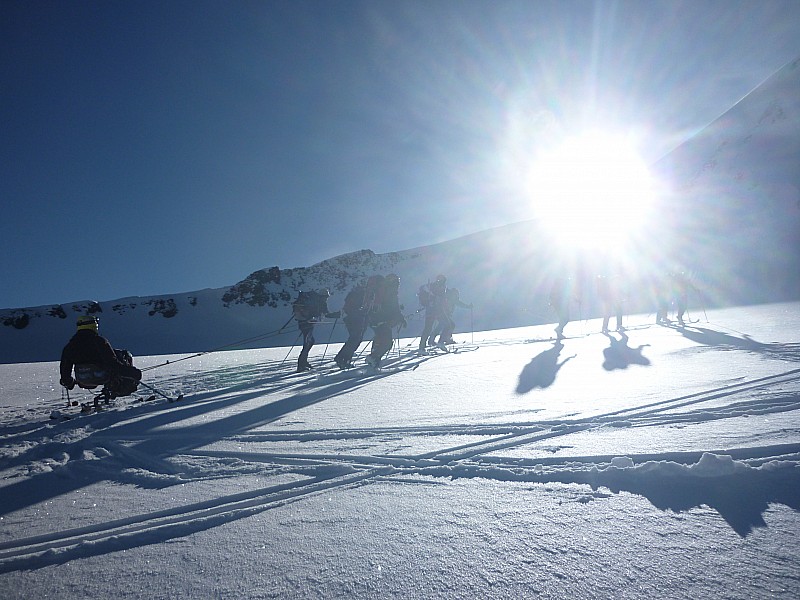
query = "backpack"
{"x": 383, "y": 304}
{"x": 91, "y": 375}
{"x": 373, "y": 294}
{"x": 306, "y": 307}
{"x": 354, "y": 301}
{"x": 425, "y": 296}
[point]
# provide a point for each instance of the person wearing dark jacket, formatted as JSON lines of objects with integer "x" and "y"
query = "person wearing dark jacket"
{"x": 88, "y": 348}
{"x": 452, "y": 300}
{"x": 562, "y": 292}
{"x": 385, "y": 315}
{"x": 355, "y": 311}
{"x": 612, "y": 297}
{"x": 308, "y": 309}
{"x": 680, "y": 290}
{"x": 435, "y": 310}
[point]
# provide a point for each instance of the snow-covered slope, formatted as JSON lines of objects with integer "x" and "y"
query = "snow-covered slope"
{"x": 662, "y": 463}
{"x": 734, "y": 209}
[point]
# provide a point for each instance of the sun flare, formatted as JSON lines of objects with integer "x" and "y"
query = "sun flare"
{"x": 593, "y": 191}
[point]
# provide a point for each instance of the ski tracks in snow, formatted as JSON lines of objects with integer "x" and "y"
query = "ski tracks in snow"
{"x": 738, "y": 483}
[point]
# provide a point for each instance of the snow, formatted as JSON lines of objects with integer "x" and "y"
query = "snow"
{"x": 663, "y": 463}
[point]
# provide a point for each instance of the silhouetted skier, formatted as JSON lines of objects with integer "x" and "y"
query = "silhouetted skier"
{"x": 385, "y": 315}
{"x": 435, "y": 309}
{"x": 307, "y": 309}
{"x": 561, "y": 294}
{"x": 609, "y": 291}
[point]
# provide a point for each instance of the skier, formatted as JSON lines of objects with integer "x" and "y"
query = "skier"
{"x": 680, "y": 292}
{"x": 308, "y": 309}
{"x": 433, "y": 299}
{"x": 384, "y": 315}
{"x": 663, "y": 298}
{"x": 609, "y": 290}
{"x": 560, "y": 295}
{"x": 96, "y": 363}
{"x": 452, "y": 299}
{"x": 355, "y": 319}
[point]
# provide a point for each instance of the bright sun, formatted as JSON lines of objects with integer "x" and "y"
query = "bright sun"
{"x": 593, "y": 191}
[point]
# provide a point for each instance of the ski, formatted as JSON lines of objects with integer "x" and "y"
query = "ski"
{"x": 148, "y": 399}
{"x": 85, "y": 409}
{"x": 158, "y": 392}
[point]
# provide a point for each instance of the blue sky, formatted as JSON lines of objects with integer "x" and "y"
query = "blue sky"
{"x": 161, "y": 147}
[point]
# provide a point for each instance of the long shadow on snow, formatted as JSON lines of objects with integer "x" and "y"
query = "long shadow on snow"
{"x": 542, "y": 370}
{"x": 198, "y": 404}
{"x": 27, "y": 492}
{"x": 234, "y": 377}
{"x": 619, "y": 355}
{"x": 726, "y": 341}
{"x": 740, "y": 498}
{"x": 158, "y": 446}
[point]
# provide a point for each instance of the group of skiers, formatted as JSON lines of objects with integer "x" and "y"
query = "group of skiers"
{"x": 371, "y": 303}
{"x": 439, "y": 303}
{"x": 672, "y": 288}
{"x": 374, "y": 303}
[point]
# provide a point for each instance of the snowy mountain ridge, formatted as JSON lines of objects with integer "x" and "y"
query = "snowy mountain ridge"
{"x": 198, "y": 321}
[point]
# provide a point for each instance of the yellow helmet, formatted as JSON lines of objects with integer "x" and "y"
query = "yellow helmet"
{"x": 88, "y": 322}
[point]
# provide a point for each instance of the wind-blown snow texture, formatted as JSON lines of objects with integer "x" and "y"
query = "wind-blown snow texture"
{"x": 732, "y": 218}
{"x": 662, "y": 462}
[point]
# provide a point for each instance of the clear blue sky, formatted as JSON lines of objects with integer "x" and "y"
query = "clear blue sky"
{"x": 162, "y": 147}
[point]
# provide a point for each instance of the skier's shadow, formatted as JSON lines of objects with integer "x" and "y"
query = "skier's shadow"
{"x": 542, "y": 370}
{"x": 619, "y": 355}
{"x": 710, "y": 337}
{"x": 726, "y": 341}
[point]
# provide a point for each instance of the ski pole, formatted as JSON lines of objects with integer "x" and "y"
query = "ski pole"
{"x": 702, "y": 304}
{"x": 219, "y": 348}
{"x": 399, "y": 327}
{"x": 159, "y": 392}
{"x": 329, "y": 338}
{"x": 471, "y": 326}
{"x": 290, "y": 350}
{"x": 367, "y": 345}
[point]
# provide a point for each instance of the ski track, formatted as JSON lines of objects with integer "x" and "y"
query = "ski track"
{"x": 323, "y": 473}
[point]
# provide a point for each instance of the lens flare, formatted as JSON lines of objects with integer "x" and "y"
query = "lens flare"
{"x": 592, "y": 191}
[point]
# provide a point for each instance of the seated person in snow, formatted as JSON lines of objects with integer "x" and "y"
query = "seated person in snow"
{"x": 97, "y": 363}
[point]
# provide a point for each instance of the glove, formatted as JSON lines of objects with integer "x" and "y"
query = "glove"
{"x": 334, "y": 315}
{"x": 68, "y": 382}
